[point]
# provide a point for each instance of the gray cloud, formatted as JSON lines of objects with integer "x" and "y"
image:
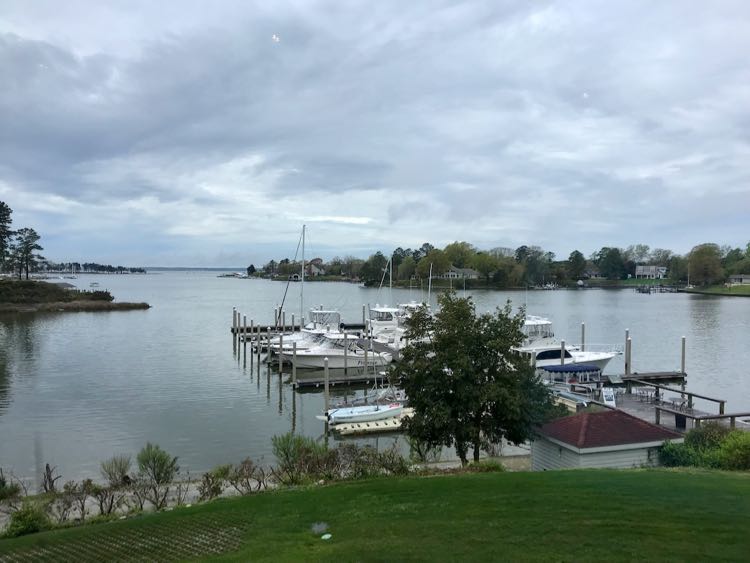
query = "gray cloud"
{"x": 568, "y": 126}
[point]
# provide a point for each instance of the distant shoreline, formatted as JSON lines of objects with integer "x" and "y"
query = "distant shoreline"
{"x": 71, "y": 306}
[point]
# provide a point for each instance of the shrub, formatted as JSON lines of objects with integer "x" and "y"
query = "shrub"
{"x": 246, "y": 477}
{"x": 115, "y": 470}
{"x": 158, "y": 469}
{"x": 8, "y": 491}
{"x": 28, "y": 519}
{"x": 707, "y": 436}
{"x": 487, "y": 466}
{"x": 734, "y": 451}
{"x": 678, "y": 455}
{"x": 298, "y": 457}
{"x": 212, "y": 484}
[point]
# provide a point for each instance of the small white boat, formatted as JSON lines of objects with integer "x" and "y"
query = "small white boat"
{"x": 366, "y": 413}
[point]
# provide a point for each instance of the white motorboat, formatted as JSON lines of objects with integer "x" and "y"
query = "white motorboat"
{"x": 544, "y": 350}
{"x": 365, "y": 413}
{"x": 321, "y": 323}
{"x": 315, "y": 358}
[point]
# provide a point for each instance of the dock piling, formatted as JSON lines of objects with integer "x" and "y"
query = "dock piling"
{"x": 294, "y": 364}
{"x": 281, "y": 352}
{"x": 244, "y": 340}
{"x": 562, "y": 352}
{"x": 583, "y": 337}
{"x": 628, "y": 355}
{"x": 325, "y": 385}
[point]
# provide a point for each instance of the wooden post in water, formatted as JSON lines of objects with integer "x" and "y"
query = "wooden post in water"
{"x": 365, "y": 368}
{"x": 281, "y": 352}
{"x": 234, "y": 329}
{"x": 244, "y": 340}
{"x": 250, "y": 336}
{"x": 346, "y": 353}
{"x": 682, "y": 368}
{"x": 627, "y": 362}
{"x": 363, "y": 316}
{"x": 257, "y": 346}
{"x": 292, "y": 323}
{"x": 583, "y": 337}
{"x": 294, "y": 365}
{"x": 628, "y": 355}
{"x": 562, "y": 352}
{"x": 283, "y": 321}
{"x": 325, "y": 384}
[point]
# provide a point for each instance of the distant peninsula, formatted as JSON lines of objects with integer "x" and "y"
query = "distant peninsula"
{"x": 22, "y": 296}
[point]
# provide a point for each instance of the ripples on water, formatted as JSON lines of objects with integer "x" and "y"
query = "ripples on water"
{"x": 76, "y": 388}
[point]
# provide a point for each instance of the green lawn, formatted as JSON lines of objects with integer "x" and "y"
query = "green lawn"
{"x": 743, "y": 290}
{"x": 561, "y": 516}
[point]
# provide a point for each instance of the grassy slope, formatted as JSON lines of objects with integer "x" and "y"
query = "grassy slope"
{"x": 740, "y": 290}
{"x": 568, "y": 515}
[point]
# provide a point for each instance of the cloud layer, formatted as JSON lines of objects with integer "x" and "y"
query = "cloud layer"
{"x": 168, "y": 134}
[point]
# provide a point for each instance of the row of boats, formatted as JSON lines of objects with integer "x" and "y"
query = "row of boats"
{"x": 323, "y": 340}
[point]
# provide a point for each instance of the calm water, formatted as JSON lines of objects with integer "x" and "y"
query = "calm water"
{"x": 76, "y": 388}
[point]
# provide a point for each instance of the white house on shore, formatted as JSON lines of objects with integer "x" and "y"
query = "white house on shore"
{"x": 611, "y": 438}
{"x": 740, "y": 279}
{"x": 460, "y": 273}
{"x": 651, "y": 272}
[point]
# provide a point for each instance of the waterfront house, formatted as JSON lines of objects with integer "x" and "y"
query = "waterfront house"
{"x": 740, "y": 279}
{"x": 460, "y": 273}
{"x": 651, "y": 272}
{"x": 315, "y": 267}
{"x": 610, "y": 438}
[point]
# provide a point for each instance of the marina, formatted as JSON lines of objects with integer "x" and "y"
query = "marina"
{"x": 77, "y": 388}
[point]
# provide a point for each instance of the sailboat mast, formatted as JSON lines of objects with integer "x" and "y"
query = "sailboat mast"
{"x": 429, "y": 287}
{"x": 302, "y": 283}
{"x": 390, "y": 283}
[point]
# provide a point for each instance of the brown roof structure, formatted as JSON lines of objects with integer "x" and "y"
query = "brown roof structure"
{"x": 605, "y": 428}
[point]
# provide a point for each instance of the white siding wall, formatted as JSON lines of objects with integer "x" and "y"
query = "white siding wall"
{"x": 623, "y": 459}
{"x": 547, "y": 455}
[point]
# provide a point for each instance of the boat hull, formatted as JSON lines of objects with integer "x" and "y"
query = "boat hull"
{"x": 363, "y": 414}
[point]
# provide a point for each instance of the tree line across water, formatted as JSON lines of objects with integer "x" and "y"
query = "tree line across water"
{"x": 706, "y": 264}
{"x": 19, "y": 252}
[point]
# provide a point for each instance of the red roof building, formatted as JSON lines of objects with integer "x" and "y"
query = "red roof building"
{"x": 611, "y": 438}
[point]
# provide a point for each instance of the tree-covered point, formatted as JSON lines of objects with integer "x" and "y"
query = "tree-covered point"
{"x": 524, "y": 266}
{"x": 32, "y": 291}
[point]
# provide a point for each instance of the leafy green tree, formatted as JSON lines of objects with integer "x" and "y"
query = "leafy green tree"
{"x": 439, "y": 261}
{"x": 485, "y": 264}
{"x": 611, "y": 263}
{"x": 158, "y": 469}
{"x": 6, "y": 233}
{"x": 678, "y": 269}
{"x": 250, "y": 270}
{"x": 660, "y": 257}
{"x": 407, "y": 268}
{"x": 25, "y": 251}
{"x": 467, "y": 386}
{"x": 704, "y": 263}
{"x": 460, "y": 254}
{"x": 576, "y": 265}
{"x": 373, "y": 269}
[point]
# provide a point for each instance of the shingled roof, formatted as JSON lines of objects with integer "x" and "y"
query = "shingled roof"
{"x": 605, "y": 428}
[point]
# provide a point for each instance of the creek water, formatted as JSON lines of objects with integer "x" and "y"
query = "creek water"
{"x": 76, "y": 388}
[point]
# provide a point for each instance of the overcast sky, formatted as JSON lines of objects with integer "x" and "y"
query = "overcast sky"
{"x": 206, "y": 133}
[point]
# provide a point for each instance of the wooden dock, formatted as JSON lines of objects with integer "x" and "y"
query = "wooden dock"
{"x": 241, "y": 329}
